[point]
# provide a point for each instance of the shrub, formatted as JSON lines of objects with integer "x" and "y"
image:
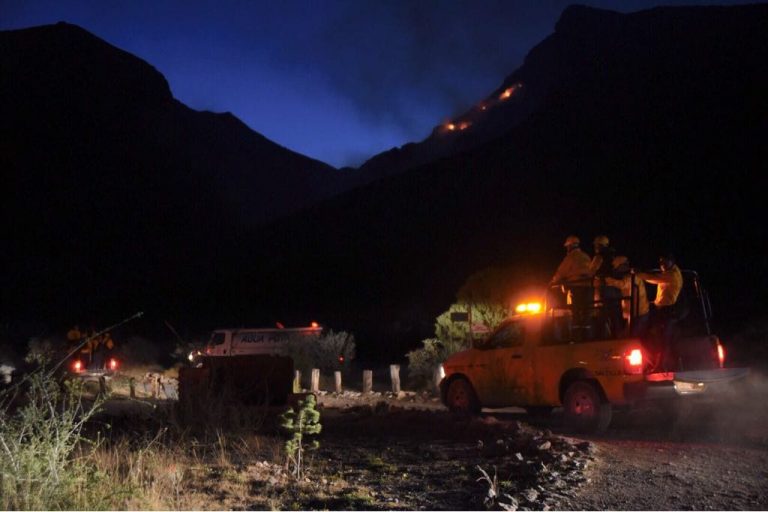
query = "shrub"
{"x": 303, "y": 420}
{"x": 423, "y": 361}
{"x": 40, "y": 467}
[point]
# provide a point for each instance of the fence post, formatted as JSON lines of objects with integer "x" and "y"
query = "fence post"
{"x": 437, "y": 376}
{"x": 132, "y": 385}
{"x": 394, "y": 374}
{"x": 367, "y": 381}
{"x": 297, "y": 381}
{"x": 315, "y": 384}
{"x": 103, "y": 386}
{"x": 337, "y": 379}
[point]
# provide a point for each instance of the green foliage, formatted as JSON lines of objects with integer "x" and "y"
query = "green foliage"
{"x": 448, "y": 331}
{"x": 450, "y": 337}
{"x": 489, "y": 292}
{"x": 322, "y": 352}
{"x": 303, "y": 420}
{"x": 41, "y": 448}
{"x": 423, "y": 361}
{"x": 485, "y": 297}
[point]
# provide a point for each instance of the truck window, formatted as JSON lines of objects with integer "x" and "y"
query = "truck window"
{"x": 217, "y": 338}
{"x": 507, "y": 335}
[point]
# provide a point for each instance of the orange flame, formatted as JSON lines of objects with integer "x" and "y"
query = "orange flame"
{"x": 464, "y": 125}
{"x": 450, "y": 127}
{"x": 508, "y": 92}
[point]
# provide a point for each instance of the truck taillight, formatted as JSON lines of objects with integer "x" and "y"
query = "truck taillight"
{"x": 633, "y": 361}
{"x": 720, "y": 354}
{"x": 113, "y": 364}
{"x": 77, "y": 366}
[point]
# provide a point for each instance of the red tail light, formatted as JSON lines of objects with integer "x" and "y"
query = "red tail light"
{"x": 633, "y": 361}
{"x": 720, "y": 354}
{"x": 113, "y": 364}
{"x": 77, "y": 366}
{"x": 341, "y": 358}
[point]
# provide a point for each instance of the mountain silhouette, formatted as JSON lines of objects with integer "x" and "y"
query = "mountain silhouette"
{"x": 112, "y": 189}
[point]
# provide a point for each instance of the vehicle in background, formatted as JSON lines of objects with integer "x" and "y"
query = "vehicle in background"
{"x": 247, "y": 366}
{"x": 235, "y": 342}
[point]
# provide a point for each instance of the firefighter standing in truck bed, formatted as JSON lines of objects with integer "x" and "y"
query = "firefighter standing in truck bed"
{"x": 669, "y": 282}
{"x": 574, "y": 274}
{"x": 664, "y": 315}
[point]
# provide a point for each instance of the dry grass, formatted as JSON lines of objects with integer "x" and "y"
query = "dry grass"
{"x": 181, "y": 472}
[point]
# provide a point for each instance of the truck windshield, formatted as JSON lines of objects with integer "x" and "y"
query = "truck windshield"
{"x": 217, "y": 338}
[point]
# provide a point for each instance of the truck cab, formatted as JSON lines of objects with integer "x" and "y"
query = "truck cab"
{"x": 546, "y": 356}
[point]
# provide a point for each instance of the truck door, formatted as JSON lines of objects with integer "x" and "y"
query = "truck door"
{"x": 218, "y": 345}
{"x": 509, "y": 363}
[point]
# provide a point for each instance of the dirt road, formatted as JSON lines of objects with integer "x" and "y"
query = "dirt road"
{"x": 711, "y": 460}
{"x": 714, "y": 457}
{"x": 711, "y": 456}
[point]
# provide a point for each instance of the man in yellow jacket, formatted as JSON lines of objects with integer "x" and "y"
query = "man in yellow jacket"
{"x": 669, "y": 283}
{"x": 574, "y": 275}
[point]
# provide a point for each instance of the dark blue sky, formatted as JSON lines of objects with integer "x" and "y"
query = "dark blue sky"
{"x": 336, "y": 80}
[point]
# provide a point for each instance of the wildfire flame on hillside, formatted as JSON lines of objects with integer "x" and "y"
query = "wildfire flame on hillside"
{"x": 509, "y": 91}
{"x": 461, "y": 126}
{"x": 452, "y": 126}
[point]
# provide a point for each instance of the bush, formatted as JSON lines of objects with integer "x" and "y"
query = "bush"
{"x": 39, "y": 440}
{"x": 322, "y": 352}
{"x": 423, "y": 361}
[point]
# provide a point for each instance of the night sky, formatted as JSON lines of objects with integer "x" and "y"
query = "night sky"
{"x": 335, "y": 80}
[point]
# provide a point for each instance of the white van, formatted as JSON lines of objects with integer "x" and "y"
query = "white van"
{"x": 236, "y": 342}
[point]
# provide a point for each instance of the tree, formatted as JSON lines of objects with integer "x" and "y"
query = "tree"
{"x": 303, "y": 420}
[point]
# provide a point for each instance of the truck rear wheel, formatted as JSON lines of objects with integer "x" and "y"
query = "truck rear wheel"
{"x": 461, "y": 398}
{"x": 584, "y": 410}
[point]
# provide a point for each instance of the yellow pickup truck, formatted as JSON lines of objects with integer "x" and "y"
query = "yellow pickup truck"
{"x": 544, "y": 357}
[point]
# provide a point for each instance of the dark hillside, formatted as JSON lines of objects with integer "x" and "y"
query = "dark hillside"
{"x": 115, "y": 194}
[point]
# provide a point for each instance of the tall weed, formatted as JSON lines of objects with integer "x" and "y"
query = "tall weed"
{"x": 42, "y": 465}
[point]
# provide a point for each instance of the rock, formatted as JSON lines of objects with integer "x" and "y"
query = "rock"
{"x": 519, "y": 456}
{"x": 546, "y": 445}
{"x": 530, "y": 495}
{"x": 509, "y": 503}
